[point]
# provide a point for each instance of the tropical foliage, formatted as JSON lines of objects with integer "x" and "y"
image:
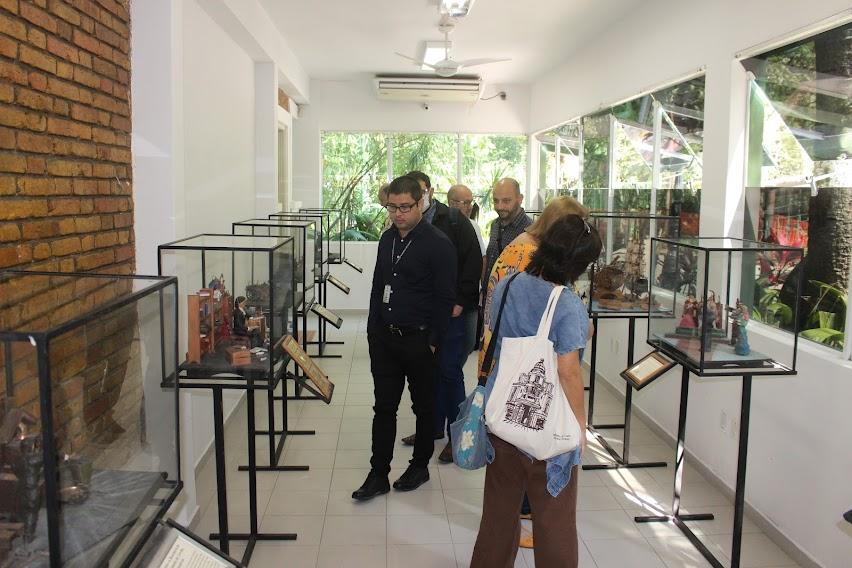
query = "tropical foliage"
{"x": 355, "y": 166}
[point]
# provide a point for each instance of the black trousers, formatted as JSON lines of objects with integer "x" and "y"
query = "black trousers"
{"x": 394, "y": 358}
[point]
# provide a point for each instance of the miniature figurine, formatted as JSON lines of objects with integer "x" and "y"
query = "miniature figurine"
{"x": 240, "y": 326}
{"x": 689, "y": 318}
{"x": 739, "y": 334}
{"x": 21, "y": 473}
{"x": 717, "y": 310}
{"x": 708, "y": 321}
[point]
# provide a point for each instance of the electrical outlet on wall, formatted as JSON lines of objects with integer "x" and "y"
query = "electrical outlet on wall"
{"x": 723, "y": 421}
{"x": 616, "y": 347}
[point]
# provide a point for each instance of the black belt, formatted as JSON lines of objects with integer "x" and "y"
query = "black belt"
{"x": 402, "y": 331}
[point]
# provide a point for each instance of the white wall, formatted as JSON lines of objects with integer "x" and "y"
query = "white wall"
{"x": 205, "y": 109}
{"x": 219, "y": 164}
{"x": 362, "y": 254}
{"x": 800, "y": 438}
{"x": 353, "y": 105}
{"x": 219, "y": 171}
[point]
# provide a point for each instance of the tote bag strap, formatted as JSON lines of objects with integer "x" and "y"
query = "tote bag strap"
{"x": 492, "y": 345}
{"x": 549, "y": 310}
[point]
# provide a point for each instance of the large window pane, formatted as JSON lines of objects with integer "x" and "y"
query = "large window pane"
{"x": 354, "y": 167}
{"x": 800, "y": 178}
{"x": 596, "y": 148}
{"x": 433, "y": 154}
{"x": 487, "y": 158}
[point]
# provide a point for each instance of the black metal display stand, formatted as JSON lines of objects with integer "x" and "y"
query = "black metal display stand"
{"x": 680, "y": 520}
{"x": 322, "y": 330}
{"x": 619, "y": 461}
{"x": 251, "y": 384}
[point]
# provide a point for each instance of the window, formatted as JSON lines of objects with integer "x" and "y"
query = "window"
{"x": 354, "y": 167}
{"x": 623, "y": 158}
{"x": 559, "y": 161}
{"x": 799, "y": 180}
{"x": 433, "y": 154}
{"x": 356, "y": 164}
{"x": 487, "y": 158}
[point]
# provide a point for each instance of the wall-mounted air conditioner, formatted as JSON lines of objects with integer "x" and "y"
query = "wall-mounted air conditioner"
{"x": 460, "y": 88}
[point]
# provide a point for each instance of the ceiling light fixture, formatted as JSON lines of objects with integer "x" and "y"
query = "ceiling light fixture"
{"x": 456, "y": 8}
{"x": 435, "y": 51}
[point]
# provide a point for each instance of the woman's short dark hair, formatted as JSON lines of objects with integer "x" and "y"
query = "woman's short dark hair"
{"x": 565, "y": 250}
{"x": 239, "y": 300}
{"x": 406, "y": 184}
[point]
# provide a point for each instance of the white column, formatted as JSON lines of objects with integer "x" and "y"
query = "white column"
{"x": 265, "y": 138}
{"x": 158, "y": 172}
{"x": 157, "y": 141}
{"x": 722, "y": 194}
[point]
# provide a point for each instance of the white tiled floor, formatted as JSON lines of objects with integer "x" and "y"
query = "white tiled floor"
{"x": 436, "y": 525}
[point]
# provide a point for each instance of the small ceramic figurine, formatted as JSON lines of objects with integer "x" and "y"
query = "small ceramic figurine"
{"x": 690, "y": 313}
{"x": 717, "y": 310}
{"x": 739, "y": 334}
{"x": 708, "y": 321}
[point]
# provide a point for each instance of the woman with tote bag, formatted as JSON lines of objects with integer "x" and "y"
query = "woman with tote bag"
{"x": 533, "y": 304}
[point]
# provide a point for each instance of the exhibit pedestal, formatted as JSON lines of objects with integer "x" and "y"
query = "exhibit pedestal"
{"x": 322, "y": 323}
{"x": 680, "y": 520}
{"x": 619, "y": 461}
{"x": 251, "y": 385}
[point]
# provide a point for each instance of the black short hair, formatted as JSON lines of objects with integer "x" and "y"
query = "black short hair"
{"x": 239, "y": 300}
{"x": 406, "y": 184}
{"x": 420, "y": 176}
{"x": 565, "y": 250}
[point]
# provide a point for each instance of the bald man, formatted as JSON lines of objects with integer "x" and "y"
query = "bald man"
{"x": 511, "y": 221}
{"x": 461, "y": 197}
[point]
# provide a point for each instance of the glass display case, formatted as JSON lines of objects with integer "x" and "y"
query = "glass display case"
{"x": 617, "y": 284}
{"x": 323, "y": 241}
{"x": 336, "y": 224}
{"x": 307, "y": 262}
{"x": 89, "y": 452}
{"x": 239, "y": 300}
{"x": 708, "y": 289}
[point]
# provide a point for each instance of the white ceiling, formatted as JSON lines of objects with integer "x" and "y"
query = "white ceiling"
{"x": 337, "y": 39}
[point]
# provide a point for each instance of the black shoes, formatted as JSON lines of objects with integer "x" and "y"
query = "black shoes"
{"x": 413, "y": 478}
{"x": 374, "y": 485}
{"x": 409, "y": 440}
{"x": 446, "y": 455}
{"x": 377, "y": 484}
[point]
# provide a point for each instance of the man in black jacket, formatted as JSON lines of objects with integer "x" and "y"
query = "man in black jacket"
{"x": 410, "y": 302}
{"x": 452, "y": 353}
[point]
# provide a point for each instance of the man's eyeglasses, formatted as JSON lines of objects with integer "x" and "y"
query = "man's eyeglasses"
{"x": 466, "y": 203}
{"x": 405, "y": 208}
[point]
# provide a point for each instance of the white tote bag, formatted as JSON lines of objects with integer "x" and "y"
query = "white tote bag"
{"x": 527, "y": 406}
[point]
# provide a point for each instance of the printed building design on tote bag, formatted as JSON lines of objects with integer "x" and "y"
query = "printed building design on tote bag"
{"x": 530, "y": 399}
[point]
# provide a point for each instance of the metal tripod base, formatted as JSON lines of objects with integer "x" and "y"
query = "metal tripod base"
{"x": 633, "y": 465}
{"x": 619, "y": 461}
{"x": 252, "y": 539}
{"x": 680, "y": 522}
{"x": 276, "y": 468}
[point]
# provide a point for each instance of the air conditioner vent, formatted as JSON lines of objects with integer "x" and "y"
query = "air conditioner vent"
{"x": 460, "y": 88}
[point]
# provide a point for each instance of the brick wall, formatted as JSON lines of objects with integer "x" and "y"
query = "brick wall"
{"x": 66, "y": 205}
{"x": 65, "y": 160}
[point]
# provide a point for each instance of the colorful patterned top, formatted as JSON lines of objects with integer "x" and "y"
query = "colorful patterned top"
{"x": 514, "y": 258}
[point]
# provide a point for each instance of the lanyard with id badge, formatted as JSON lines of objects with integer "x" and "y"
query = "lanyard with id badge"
{"x": 386, "y": 294}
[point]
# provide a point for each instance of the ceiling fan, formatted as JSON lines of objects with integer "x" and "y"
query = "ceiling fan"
{"x": 447, "y": 67}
